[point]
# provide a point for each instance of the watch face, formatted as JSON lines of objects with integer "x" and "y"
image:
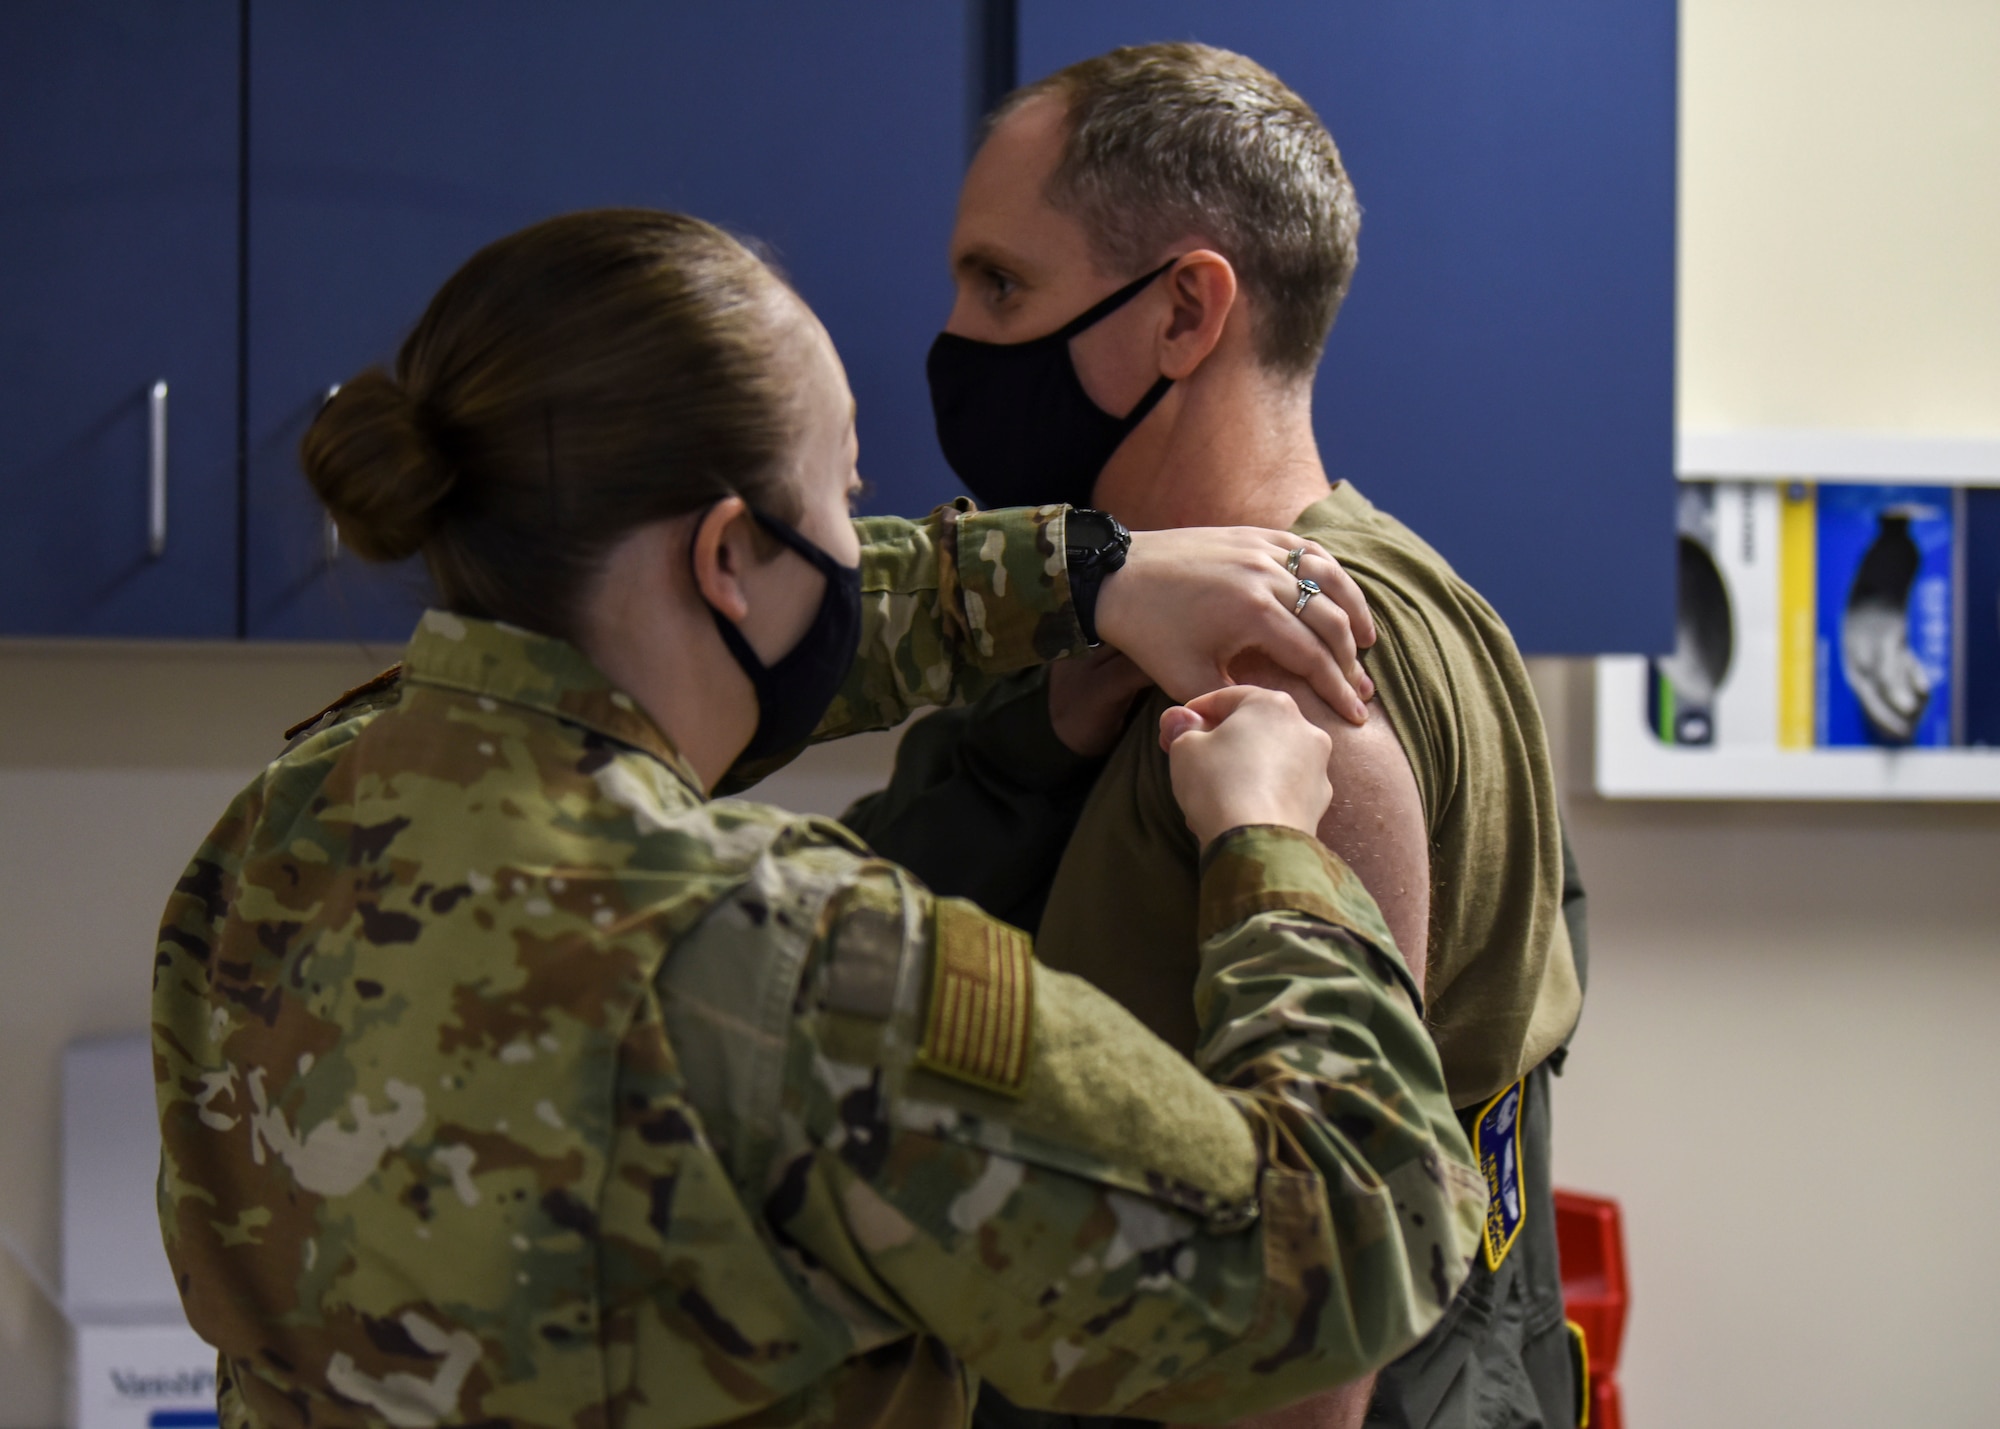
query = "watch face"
{"x": 1083, "y": 530}
{"x": 1090, "y": 530}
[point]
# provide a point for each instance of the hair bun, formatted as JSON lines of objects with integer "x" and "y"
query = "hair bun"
{"x": 375, "y": 467}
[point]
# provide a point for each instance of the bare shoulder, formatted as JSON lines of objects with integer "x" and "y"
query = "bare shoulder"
{"x": 1376, "y": 820}
{"x": 1370, "y": 752}
{"x": 1376, "y": 823}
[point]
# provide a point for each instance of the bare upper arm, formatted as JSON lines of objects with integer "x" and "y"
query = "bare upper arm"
{"x": 1376, "y": 824}
{"x": 1376, "y": 821}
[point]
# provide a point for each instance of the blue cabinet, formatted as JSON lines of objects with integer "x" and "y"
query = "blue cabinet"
{"x": 389, "y": 141}
{"x": 118, "y": 277}
{"x": 1501, "y": 377}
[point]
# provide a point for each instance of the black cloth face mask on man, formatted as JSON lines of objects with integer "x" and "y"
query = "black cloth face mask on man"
{"x": 795, "y": 691}
{"x": 1014, "y": 420}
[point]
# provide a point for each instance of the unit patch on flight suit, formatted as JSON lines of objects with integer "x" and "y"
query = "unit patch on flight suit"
{"x": 977, "y": 1026}
{"x": 1496, "y": 1143}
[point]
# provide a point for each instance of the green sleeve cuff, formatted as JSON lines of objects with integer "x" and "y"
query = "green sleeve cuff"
{"x": 1267, "y": 868}
{"x": 947, "y": 604}
{"x": 1009, "y": 573}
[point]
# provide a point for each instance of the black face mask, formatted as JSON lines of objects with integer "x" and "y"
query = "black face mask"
{"x": 1014, "y": 420}
{"x": 794, "y": 693}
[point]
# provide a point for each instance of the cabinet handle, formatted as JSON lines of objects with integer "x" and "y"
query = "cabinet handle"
{"x": 156, "y": 471}
{"x": 330, "y": 538}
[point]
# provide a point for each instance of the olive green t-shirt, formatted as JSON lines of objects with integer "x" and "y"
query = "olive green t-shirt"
{"x": 1501, "y": 988}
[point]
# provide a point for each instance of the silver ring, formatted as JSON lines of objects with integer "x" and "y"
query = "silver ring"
{"x": 1307, "y": 590}
{"x": 1292, "y": 560}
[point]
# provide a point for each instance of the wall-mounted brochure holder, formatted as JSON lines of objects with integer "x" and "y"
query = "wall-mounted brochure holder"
{"x": 1838, "y": 637}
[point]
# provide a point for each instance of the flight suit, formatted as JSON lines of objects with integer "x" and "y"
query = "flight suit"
{"x": 505, "y": 1076}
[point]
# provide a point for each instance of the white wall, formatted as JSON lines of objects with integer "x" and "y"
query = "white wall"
{"x": 1839, "y": 215}
{"x": 1783, "y": 1073}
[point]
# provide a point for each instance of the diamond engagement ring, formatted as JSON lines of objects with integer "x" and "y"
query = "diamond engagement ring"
{"x": 1307, "y": 590}
{"x": 1293, "y": 558}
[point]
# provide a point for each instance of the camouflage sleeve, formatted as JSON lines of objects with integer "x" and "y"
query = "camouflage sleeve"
{"x": 1012, "y": 1163}
{"x": 948, "y": 603}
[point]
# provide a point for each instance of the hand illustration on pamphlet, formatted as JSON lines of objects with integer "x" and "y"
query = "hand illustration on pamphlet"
{"x": 1887, "y": 678}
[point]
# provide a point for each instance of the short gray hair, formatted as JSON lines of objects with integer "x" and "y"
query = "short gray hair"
{"x": 1169, "y": 139}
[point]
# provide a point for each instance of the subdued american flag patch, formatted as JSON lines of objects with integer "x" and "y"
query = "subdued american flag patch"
{"x": 981, "y": 1014}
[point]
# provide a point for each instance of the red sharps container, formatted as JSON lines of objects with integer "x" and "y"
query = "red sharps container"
{"x": 1591, "y": 1239}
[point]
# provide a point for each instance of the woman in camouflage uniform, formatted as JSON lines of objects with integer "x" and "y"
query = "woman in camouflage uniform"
{"x": 505, "y": 1077}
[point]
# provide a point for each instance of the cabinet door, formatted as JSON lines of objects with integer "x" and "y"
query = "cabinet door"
{"x": 389, "y": 141}
{"x": 118, "y": 271}
{"x": 1501, "y": 377}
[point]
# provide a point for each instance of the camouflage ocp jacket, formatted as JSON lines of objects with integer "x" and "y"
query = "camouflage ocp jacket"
{"x": 506, "y": 1078}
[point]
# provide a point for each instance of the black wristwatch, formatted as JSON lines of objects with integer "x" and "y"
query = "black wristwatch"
{"x": 1096, "y": 545}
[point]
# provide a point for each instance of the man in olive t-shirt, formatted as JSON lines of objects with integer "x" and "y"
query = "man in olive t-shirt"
{"x": 1500, "y": 985}
{"x": 987, "y": 802}
{"x": 1149, "y": 253}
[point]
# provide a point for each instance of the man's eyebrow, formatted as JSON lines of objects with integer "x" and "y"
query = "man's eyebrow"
{"x": 981, "y": 256}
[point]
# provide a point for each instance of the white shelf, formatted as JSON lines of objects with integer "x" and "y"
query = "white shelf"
{"x": 1813, "y": 454}
{"x": 1632, "y": 764}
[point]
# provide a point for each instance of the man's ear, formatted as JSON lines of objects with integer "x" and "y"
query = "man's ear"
{"x": 722, "y": 553}
{"x": 1202, "y": 287}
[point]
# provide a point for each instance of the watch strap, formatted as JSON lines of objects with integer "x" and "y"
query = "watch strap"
{"x": 1090, "y": 561}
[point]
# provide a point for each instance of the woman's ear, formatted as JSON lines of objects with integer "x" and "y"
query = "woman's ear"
{"x": 1202, "y": 287}
{"x": 722, "y": 553}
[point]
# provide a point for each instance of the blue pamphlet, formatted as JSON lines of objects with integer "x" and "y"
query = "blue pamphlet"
{"x": 1885, "y": 615}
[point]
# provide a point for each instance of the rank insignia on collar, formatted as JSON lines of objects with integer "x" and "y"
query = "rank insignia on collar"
{"x": 977, "y": 1026}
{"x": 1496, "y": 1142}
